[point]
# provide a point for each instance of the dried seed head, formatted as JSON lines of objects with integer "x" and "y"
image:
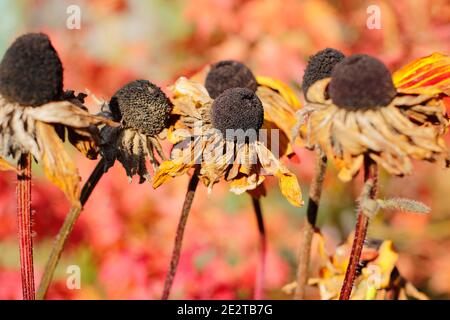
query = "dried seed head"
{"x": 320, "y": 66}
{"x": 229, "y": 74}
{"x": 31, "y": 72}
{"x": 142, "y": 106}
{"x": 237, "y": 108}
{"x": 361, "y": 81}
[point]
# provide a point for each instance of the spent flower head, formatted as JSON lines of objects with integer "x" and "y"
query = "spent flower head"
{"x": 144, "y": 112}
{"x": 223, "y": 138}
{"x": 35, "y": 112}
{"x": 359, "y": 112}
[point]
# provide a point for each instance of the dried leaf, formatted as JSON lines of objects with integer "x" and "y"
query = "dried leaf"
{"x": 57, "y": 164}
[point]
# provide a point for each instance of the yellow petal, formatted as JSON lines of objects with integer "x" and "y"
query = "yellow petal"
{"x": 287, "y": 93}
{"x": 386, "y": 260}
{"x": 6, "y": 166}
{"x": 245, "y": 183}
{"x": 57, "y": 164}
{"x": 428, "y": 75}
{"x": 287, "y": 180}
{"x": 290, "y": 188}
{"x": 169, "y": 169}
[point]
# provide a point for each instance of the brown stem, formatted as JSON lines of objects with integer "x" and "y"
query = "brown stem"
{"x": 315, "y": 192}
{"x": 179, "y": 235}
{"x": 24, "y": 221}
{"x": 370, "y": 179}
{"x": 66, "y": 229}
{"x": 261, "y": 269}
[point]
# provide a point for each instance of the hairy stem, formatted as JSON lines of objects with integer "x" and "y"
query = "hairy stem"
{"x": 315, "y": 192}
{"x": 261, "y": 269}
{"x": 175, "y": 258}
{"x": 370, "y": 181}
{"x": 24, "y": 222}
{"x": 66, "y": 229}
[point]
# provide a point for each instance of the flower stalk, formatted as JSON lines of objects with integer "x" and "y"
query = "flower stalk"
{"x": 261, "y": 268}
{"x": 24, "y": 221}
{"x": 175, "y": 258}
{"x": 369, "y": 191}
{"x": 66, "y": 229}
{"x": 310, "y": 224}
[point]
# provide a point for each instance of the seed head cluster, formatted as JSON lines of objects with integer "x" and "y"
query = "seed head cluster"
{"x": 361, "y": 81}
{"x": 142, "y": 106}
{"x": 237, "y": 108}
{"x": 31, "y": 72}
{"x": 320, "y": 66}
{"x": 229, "y": 74}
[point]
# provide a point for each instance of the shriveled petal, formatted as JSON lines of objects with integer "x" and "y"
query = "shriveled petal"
{"x": 169, "y": 169}
{"x": 428, "y": 75}
{"x": 287, "y": 180}
{"x": 57, "y": 164}
{"x": 245, "y": 183}
{"x": 84, "y": 142}
{"x": 348, "y": 170}
{"x": 290, "y": 188}
{"x": 188, "y": 99}
{"x": 285, "y": 91}
{"x": 66, "y": 113}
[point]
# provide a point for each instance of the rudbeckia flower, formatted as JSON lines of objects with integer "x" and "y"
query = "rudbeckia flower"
{"x": 201, "y": 142}
{"x": 359, "y": 111}
{"x": 359, "y": 117}
{"x": 280, "y": 102}
{"x": 319, "y": 67}
{"x": 245, "y": 163}
{"x": 378, "y": 277}
{"x": 35, "y": 112}
{"x": 143, "y": 111}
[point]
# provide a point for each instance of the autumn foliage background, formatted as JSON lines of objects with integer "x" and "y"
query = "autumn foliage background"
{"x": 124, "y": 237}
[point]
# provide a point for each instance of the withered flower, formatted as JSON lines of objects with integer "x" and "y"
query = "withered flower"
{"x": 378, "y": 277}
{"x": 143, "y": 111}
{"x": 320, "y": 66}
{"x": 358, "y": 112}
{"x": 35, "y": 112}
{"x": 358, "y": 116}
{"x": 201, "y": 142}
{"x": 245, "y": 163}
{"x": 280, "y": 102}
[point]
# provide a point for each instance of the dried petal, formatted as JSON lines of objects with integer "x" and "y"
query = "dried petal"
{"x": 58, "y": 165}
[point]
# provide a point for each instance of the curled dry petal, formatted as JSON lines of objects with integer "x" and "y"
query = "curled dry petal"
{"x": 287, "y": 180}
{"x": 68, "y": 114}
{"x": 57, "y": 164}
